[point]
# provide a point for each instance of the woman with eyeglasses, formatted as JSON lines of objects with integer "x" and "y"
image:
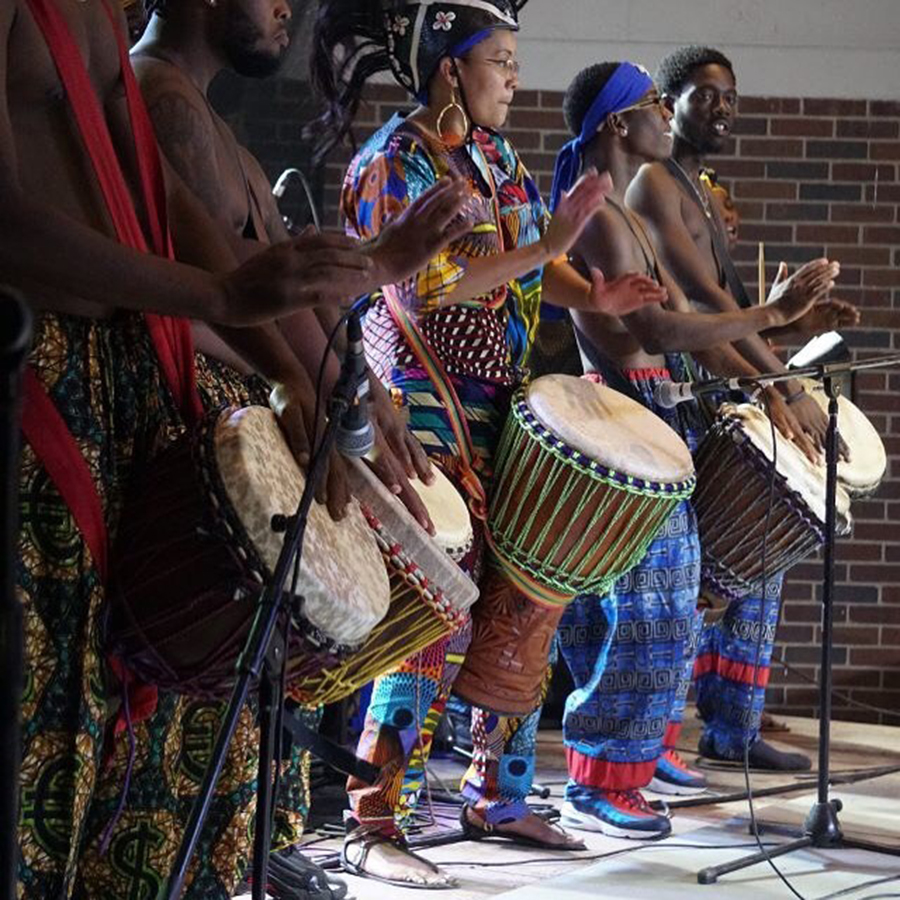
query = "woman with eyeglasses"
{"x": 631, "y": 654}
{"x": 452, "y": 343}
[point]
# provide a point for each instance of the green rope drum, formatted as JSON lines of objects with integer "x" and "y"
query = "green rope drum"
{"x": 585, "y": 478}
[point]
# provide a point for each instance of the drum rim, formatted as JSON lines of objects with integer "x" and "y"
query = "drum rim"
{"x": 615, "y": 478}
{"x": 730, "y": 426}
{"x": 409, "y": 570}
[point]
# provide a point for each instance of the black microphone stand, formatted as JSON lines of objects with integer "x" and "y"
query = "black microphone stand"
{"x": 15, "y": 326}
{"x": 262, "y": 660}
{"x": 821, "y": 829}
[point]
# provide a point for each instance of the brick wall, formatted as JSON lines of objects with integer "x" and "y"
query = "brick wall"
{"x": 810, "y": 177}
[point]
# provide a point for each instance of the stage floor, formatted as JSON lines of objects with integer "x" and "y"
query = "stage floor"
{"x": 633, "y": 870}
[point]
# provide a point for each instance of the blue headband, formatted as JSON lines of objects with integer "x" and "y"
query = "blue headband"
{"x": 627, "y": 84}
{"x": 460, "y": 49}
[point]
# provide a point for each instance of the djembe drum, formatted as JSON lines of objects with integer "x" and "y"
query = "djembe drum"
{"x": 196, "y": 547}
{"x": 585, "y": 478}
{"x": 430, "y": 593}
{"x": 734, "y": 473}
{"x": 861, "y": 474}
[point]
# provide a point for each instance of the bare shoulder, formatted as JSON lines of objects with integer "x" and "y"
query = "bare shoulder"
{"x": 608, "y": 243}
{"x": 652, "y": 186}
{"x": 160, "y": 81}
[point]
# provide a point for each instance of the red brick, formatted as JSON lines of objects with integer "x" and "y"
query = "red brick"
{"x": 836, "y": 149}
{"x": 842, "y": 212}
{"x": 860, "y": 256}
{"x": 875, "y": 614}
{"x": 554, "y": 140}
{"x": 821, "y": 106}
{"x": 850, "y": 678}
{"x": 882, "y": 277}
{"x": 526, "y": 100}
{"x": 740, "y": 168}
{"x": 847, "y": 636}
{"x": 744, "y": 125}
{"x": 884, "y": 108}
{"x": 875, "y": 656}
{"x": 888, "y": 193}
{"x": 878, "y": 235}
{"x": 857, "y": 552}
{"x": 884, "y": 150}
{"x": 766, "y": 190}
{"x": 866, "y": 128}
{"x": 754, "y": 232}
{"x": 798, "y": 212}
{"x": 862, "y": 172}
{"x": 536, "y": 119}
{"x": 772, "y": 148}
{"x": 844, "y": 234}
{"x": 768, "y": 105}
{"x": 524, "y": 139}
{"x": 539, "y": 162}
{"x": 552, "y": 99}
{"x": 803, "y": 127}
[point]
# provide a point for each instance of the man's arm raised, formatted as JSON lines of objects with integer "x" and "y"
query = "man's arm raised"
{"x": 655, "y": 196}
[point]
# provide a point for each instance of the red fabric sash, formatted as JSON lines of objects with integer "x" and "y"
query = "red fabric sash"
{"x": 43, "y": 426}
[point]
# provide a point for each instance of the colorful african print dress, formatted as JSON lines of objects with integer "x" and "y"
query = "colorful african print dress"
{"x": 483, "y": 347}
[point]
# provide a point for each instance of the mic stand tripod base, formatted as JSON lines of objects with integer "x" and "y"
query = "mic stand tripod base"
{"x": 821, "y": 829}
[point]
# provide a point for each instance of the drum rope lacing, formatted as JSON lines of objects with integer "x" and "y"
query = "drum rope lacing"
{"x": 649, "y": 502}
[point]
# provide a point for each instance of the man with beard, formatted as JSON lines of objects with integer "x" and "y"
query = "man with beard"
{"x": 698, "y": 84}
{"x": 184, "y": 47}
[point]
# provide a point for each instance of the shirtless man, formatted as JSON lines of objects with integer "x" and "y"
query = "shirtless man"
{"x": 699, "y": 87}
{"x": 184, "y": 46}
{"x": 104, "y": 391}
{"x": 621, "y": 737}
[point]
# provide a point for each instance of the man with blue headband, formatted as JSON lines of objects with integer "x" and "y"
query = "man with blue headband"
{"x": 631, "y": 653}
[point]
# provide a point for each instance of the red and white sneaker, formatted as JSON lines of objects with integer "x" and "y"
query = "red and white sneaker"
{"x": 624, "y": 814}
{"x": 674, "y": 776}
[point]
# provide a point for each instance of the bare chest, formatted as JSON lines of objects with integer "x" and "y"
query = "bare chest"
{"x": 33, "y": 82}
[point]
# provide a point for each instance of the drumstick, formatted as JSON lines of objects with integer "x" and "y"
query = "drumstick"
{"x": 762, "y": 273}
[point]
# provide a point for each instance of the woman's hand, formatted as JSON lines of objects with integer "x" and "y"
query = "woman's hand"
{"x": 573, "y": 212}
{"x": 625, "y": 294}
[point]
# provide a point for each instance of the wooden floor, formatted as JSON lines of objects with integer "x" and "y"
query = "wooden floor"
{"x": 702, "y": 836}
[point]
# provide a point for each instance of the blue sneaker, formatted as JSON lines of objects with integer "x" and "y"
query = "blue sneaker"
{"x": 674, "y": 776}
{"x": 623, "y": 814}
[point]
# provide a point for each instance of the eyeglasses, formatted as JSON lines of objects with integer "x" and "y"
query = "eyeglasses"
{"x": 646, "y": 103}
{"x": 510, "y": 67}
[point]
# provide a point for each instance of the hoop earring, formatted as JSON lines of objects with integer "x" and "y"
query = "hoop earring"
{"x": 455, "y": 139}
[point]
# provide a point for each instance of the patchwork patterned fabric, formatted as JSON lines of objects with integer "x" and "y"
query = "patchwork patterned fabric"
{"x": 631, "y": 652}
{"x": 483, "y": 345}
{"x": 486, "y": 338}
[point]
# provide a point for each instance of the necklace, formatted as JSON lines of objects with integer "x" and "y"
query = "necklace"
{"x": 698, "y": 190}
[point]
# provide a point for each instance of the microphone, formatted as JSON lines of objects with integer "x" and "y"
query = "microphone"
{"x": 355, "y": 434}
{"x": 15, "y": 319}
{"x": 280, "y": 188}
{"x": 669, "y": 394}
